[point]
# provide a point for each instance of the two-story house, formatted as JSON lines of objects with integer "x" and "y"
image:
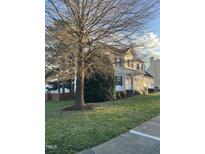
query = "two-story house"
{"x": 130, "y": 72}
{"x": 130, "y": 75}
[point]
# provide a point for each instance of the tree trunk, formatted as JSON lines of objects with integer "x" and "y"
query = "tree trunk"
{"x": 79, "y": 101}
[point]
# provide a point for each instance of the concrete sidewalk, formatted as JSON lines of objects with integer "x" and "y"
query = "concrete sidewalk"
{"x": 144, "y": 139}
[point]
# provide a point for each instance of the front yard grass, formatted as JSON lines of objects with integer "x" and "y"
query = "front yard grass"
{"x": 74, "y": 131}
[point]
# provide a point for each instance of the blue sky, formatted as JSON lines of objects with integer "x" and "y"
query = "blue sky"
{"x": 155, "y": 26}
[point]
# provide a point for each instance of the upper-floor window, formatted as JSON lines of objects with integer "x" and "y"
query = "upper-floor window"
{"x": 130, "y": 63}
{"x": 118, "y": 80}
{"x": 142, "y": 67}
{"x": 138, "y": 66}
{"x": 118, "y": 61}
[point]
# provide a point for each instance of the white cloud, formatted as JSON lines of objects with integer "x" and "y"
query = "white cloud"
{"x": 147, "y": 46}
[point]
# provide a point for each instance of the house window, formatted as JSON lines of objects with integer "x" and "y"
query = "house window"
{"x": 130, "y": 63}
{"x": 118, "y": 61}
{"x": 142, "y": 67}
{"x": 118, "y": 80}
{"x": 138, "y": 66}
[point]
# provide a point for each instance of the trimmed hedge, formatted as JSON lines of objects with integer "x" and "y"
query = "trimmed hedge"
{"x": 99, "y": 88}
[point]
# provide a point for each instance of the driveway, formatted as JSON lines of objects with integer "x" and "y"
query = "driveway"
{"x": 144, "y": 139}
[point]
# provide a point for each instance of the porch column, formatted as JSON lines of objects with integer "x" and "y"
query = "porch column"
{"x": 132, "y": 82}
{"x": 124, "y": 81}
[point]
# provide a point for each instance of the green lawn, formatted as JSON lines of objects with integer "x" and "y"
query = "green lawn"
{"x": 73, "y": 131}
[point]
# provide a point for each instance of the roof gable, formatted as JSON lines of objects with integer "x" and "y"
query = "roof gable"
{"x": 123, "y": 51}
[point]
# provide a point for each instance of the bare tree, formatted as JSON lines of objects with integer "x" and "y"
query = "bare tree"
{"x": 59, "y": 55}
{"x": 88, "y": 23}
{"x": 147, "y": 46}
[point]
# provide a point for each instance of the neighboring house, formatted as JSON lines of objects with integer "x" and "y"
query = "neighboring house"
{"x": 154, "y": 70}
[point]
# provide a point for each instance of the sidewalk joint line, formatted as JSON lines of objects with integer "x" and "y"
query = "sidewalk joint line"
{"x": 144, "y": 135}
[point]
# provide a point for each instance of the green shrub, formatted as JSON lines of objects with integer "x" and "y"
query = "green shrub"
{"x": 99, "y": 88}
{"x": 120, "y": 94}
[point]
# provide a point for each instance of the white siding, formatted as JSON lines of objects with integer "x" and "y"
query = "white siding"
{"x": 119, "y": 88}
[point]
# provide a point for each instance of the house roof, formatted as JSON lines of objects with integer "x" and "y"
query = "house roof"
{"x": 139, "y": 60}
{"x": 115, "y": 49}
{"x": 148, "y": 75}
{"x": 122, "y": 51}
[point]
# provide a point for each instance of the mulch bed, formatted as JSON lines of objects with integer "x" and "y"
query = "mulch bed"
{"x": 74, "y": 107}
